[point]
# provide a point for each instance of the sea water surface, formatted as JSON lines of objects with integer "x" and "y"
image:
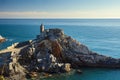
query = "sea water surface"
{"x": 100, "y": 35}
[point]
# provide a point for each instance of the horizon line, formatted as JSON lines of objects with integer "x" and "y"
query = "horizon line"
{"x": 59, "y": 18}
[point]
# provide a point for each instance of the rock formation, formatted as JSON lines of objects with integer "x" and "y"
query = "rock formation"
{"x": 54, "y": 52}
{"x": 2, "y": 39}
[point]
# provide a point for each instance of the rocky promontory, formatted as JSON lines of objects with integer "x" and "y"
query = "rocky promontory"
{"x": 51, "y": 52}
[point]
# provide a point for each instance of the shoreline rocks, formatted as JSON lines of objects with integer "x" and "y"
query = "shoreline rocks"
{"x": 54, "y": 52}
{"x": 2, "y": 39}
{"x": 79, "y": 71}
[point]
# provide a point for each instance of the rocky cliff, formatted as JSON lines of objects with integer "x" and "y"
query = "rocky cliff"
{"x": 53, "y": 52}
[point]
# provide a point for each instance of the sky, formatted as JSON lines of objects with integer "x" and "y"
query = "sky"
{"x": 59, "y": 8}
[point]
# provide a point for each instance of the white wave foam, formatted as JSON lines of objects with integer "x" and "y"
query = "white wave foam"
{"x": 10, "y": 40}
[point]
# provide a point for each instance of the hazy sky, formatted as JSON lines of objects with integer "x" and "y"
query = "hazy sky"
{"x": 59, "y": 8}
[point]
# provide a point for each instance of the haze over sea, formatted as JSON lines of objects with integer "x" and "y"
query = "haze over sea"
{"x": 100, "y": 35}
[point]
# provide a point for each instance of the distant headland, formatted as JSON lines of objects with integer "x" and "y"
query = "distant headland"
{"x": 2, "y": 39}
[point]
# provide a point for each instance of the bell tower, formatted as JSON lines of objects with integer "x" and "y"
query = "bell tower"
{"x": 41, "y": 28}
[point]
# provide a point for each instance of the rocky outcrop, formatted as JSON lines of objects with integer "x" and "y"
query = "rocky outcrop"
{"x": 2, "y": 39}
{"x": 54, "y": 52}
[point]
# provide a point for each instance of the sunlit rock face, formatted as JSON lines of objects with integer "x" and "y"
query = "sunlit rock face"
{"x": 2, "y": 39}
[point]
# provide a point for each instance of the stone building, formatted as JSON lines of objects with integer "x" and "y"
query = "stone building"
{"x": 41, "y": 28}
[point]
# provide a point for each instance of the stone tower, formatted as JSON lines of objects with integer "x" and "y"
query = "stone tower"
{"x": 41, "y": 28}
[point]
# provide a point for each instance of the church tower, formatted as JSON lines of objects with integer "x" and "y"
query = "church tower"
{"x": 41, "y": 28}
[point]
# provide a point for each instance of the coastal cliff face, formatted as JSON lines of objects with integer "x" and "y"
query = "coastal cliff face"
{"x": 54, "y": 52}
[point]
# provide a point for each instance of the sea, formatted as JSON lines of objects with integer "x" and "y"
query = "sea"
{"x": 100, "y": 35}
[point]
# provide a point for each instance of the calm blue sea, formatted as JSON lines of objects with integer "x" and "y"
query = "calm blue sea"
{"x": 100, "y": 35}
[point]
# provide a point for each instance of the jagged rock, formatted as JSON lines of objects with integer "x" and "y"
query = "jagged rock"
{"x": 4, "y": 70}
{"x": 33, "y": 74}
{"x": 21, "y": 44}
{"x": 70, "y": 49}
{"x": 2, "y": 77}
{"x": 67, "y": 67}
{"x": 54, "y": 52}
{"x": 56, "y": 49}
{"x": 2, "y": 39}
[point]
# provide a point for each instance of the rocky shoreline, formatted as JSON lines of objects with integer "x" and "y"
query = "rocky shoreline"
{"x": 51, "y": 52}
